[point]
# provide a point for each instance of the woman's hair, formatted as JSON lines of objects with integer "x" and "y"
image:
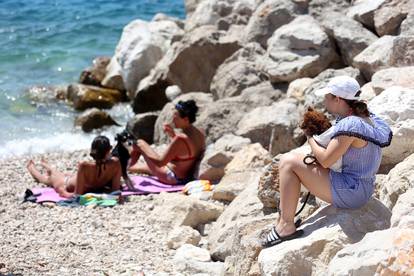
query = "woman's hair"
{"x": 99, "y": 148}
{"x": 359, "y": 108}
{"x": 187, "y": 109}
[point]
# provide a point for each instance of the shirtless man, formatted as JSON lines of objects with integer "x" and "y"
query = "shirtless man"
{"x": 90, "y": 177}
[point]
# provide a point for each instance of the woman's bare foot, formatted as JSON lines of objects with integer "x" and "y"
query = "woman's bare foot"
{"x": 38, "y": 177}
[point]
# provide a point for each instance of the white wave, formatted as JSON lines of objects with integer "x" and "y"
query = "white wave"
{"x": 63, "y": 142}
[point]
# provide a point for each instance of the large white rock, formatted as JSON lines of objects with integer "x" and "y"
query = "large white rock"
{"x": 239, "y": 71}
{"x": 378, "y": 253}
{"x": 244, "y": 207}
{"x": 363, "y": 11}
{"x": 189, "y": 63}
{"x": 396, "y": 106}
{"x": 297, "y": 88}
{"x": 396, "y": 76}
{"x": 398, "y": 181}
{"x": 191, "y": 260}
{"x": 407, "y": 25}
{"x": 298, "y": 49}
{"x": 141, "y": 46}
{"x": 245, "y": 168}
{"x": 388, "y": 18}
{"x": 326, "y": 232}
{"x": 318, "y": 8}
{"x": 218, "y": 155}
{"x": 222, "y": 116}
{"x": 350, "y": 36}
{"x": 183, "y": 235}
{"x": 273, "y": 126}
{"x": 387, "y": 51}
{"x": 178, "y": 210}
{"x": 221, "y": 13}
{"x": 403, "y": 211}
{"x": 269, "y": 16}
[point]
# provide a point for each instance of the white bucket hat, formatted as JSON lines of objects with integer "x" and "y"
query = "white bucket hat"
{"x": 342, "y": 86}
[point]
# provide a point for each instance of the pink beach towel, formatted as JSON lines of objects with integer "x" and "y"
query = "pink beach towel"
{"x": 143, "y": 185}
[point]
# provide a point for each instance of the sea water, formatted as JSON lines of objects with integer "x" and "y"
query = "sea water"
{"x": 49, "y": 42}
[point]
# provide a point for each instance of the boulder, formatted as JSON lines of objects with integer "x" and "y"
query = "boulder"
{"x": 398, "y": 181}
{"x": 350, "y": 36}
{"x": 273, "y": 126}
{"x": 141, "y": 46}
{"x": 245, "y": 168}
{"x": 387, "y": 51}
{"x": 238, "y": 72}
{"x": 406, "y": 28}
{"x": 87, "y": 96}
{"x": 113, "y": 76}
{"x": 218, "y": 155}
{"x": 190, "y": 6}
{"x": 297, "y": 88}
{"x": 396, "y": 106}
{"x": 94, "y": 119}
{"x": 250, "y": 157}
{"x": 222, "y": 116}
{"x": 298, "y": 49}
{"x": 326, "y": 232}
{"x": 367, "y": 92}
{"x": 318, "y": 8}
{"x": 165, "y": 116}
{"x": 388, "y": 18}
{"x": 391, "y": 256}
{"x": 220, "y": 13}
{"x": 322, "y": 80}
{"x": 402, "y": 213}
{"x": 246, "y": 245}
{"x": 181, "y": 210}
{"x": 363, "y": 11}
{"x": 96, "y": 73}
{"x": 183, "y": 235}
{"x": 245, "y": 207}
{"x": 268, "y": 17}
{"x": 396, "y": 76}
{"x": 191, "y": 260}
{"x": 232, "y": 184}
{"x": 190, "y": 63}
{"x": 142, "y": 126}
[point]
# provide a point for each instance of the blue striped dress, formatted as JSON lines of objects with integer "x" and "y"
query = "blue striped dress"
{"x": 353, "y": 187}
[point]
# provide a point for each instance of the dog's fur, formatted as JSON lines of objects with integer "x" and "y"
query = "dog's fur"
{"x": 122, "y": 153}
{"x": 314, "y": 122}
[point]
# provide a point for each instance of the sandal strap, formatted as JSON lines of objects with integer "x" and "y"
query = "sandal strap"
{"x": 273, "y": 235}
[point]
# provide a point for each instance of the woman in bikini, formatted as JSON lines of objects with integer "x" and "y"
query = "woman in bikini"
{"x": 90, "y": 177}
{"x": 176, "y": 164}
{"x": 358, "y": 137}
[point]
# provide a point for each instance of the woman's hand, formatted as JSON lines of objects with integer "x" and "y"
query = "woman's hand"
{"x": 168, "y": 129}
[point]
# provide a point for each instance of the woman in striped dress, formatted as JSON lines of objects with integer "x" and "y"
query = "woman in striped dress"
{"x": 358, "y": 138}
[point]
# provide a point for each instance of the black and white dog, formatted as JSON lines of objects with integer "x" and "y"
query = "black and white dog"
{"x": 124, "y": 139}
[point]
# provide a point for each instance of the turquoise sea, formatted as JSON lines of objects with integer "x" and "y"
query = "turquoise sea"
{"x": 49, "y": 42}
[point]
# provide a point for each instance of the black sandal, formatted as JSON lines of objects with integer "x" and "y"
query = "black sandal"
{"x": 273, "y": 238}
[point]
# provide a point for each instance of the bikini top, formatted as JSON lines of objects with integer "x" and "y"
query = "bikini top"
{"x": 178, "y": 158}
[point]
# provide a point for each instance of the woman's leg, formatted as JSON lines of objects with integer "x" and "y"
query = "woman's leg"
{"x": 53, "y": 178}
{"x": 36, "y": 174}
{"x": 293, "y": 172}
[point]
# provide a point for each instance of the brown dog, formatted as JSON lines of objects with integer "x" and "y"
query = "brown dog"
{"x": 314, "y": 122}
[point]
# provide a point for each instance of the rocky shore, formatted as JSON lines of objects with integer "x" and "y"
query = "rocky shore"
{"x": 252, "y": 67}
